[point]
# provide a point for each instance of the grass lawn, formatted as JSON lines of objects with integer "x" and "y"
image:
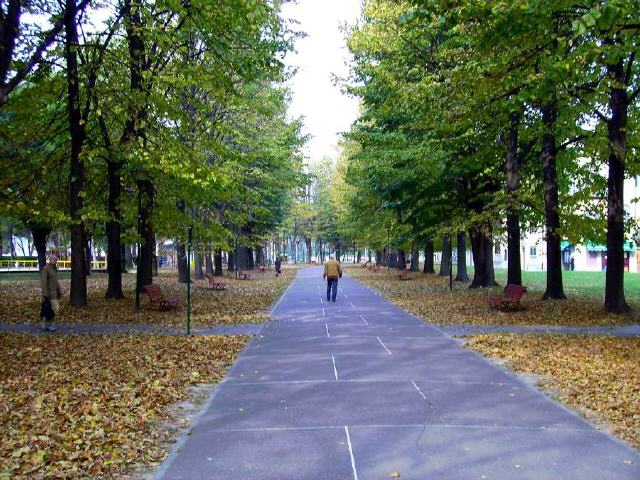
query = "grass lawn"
{"x": 590, "y": 284}
{"x": 598, "y": 376}
{"x": 244, "y": 301}
{"x": 429, "y": 297}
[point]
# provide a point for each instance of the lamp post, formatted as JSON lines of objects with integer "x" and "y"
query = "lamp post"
{"x": 188, "y": 319}
{"x": 139, "y": 247}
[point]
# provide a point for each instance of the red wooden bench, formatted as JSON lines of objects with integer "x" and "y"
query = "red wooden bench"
{"x": 214, "y": 283}
{"x": 157, "y": 298}
{"x": 404, "y": 275}
{"x": 510, "y": 298}
{"x": 242, "y": 275}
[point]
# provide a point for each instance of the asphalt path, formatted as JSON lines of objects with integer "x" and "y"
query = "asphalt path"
{"x": 360, "y": 389}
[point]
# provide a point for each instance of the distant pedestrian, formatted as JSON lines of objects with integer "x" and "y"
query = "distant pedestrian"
{"x": 51, "y": 294}
{"x": 573, "y": 264}
{"x": 332, "y": 271}
{"x": 278, "y": 265}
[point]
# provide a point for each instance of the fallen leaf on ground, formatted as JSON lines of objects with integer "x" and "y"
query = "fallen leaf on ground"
{"x": 597, "y": 375}
{"x": 90, "y": 406}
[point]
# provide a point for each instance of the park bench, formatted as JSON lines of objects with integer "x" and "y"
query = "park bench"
{"x": 157, "y": 298}
{"x": 510, "y": 298}
{"x": 404, "y": 275}
{"x": 242, "y": 275}
{"x": 214, "y": 283}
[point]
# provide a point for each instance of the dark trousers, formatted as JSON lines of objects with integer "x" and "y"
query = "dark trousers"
{"x": 332, "y": 288}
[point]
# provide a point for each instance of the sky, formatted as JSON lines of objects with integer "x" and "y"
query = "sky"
{"x": 321, "y": 54}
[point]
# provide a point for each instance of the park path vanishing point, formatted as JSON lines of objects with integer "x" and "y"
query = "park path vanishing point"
{"x": 360, "y": 389}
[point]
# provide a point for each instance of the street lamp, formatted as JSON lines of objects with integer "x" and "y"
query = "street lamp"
{"x": 189, "y": 241}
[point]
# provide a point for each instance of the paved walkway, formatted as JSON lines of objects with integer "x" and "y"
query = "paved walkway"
{"x": 632, "y": 330}
{"x": 128, "y": 328}
{"x": 360, "y": 389}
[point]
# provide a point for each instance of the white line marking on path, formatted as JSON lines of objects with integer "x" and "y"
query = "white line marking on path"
{"x": 345, "y": 296}
{"x": 323, "y": 312}
{"x": 385, "y": 347}
{"x": 321, "y": 299}
{"x": 418, "y": 389}
{"x": 417, "y": 425}
{"x": 353, "y": 460}
{"x": 335, "y": 370}
{"x": 365, "y": 322}
{"x": 352, "y": 305}
{"x": 327, "y": 327}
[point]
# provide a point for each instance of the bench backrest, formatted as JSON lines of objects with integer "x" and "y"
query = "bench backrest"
{"x": 514, "y": 291}
{"x": 154, "y": 292}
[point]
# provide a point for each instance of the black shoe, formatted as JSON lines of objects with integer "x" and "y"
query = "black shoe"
{"x": 51, "y": 328}
{"x": 334, "y": 300}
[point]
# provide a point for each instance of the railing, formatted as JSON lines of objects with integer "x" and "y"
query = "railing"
{"x": 18, "y": 265}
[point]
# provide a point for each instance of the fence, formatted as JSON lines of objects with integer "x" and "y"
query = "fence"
{"x": 32, "y": 265}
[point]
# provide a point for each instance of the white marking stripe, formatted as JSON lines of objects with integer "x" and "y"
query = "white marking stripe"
{"x": 353, "y": 460}
{"x": 413, "y": 425}
{"x": 385, "y": 347}
{"x": 335, "y": 370}
{"x": 365, "y": 322}
{"x": 418, "y": 389}
{"x": 321, "y": 299}
{"x": 323, "y": 312}
{"x": 327, "y": 327}
{"x": 352, "y": 305}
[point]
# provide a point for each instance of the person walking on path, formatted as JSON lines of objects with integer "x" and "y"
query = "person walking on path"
{"x": 332, "y": 271}
{"x": 51, "y": 293}
{"x": 278, "y": 265}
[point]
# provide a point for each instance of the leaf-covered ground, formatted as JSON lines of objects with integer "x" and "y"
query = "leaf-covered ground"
{"x": 599, "y": 376}
{"x": 86, "y": 406}
{"x": 245, "y": 301}
{"x": 429, "y": 297}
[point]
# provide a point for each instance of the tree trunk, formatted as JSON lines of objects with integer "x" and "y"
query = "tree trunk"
{"x": 260, "y": 256}
{"x": 554, "y": 288}
{"x": 512, "y": 167}
{"x": 243, "y": 258}
{"x": 231, "y": 261}
{"x": 183, "y": 263}
{"x": 359, "y": 257}
{"x": 445, "y": 259}
{"x": 12, "y": 245}
{"x": 461, "y": 250}
{"x": 614, "y": 298}
{"x": 199, "y": 263}
{"x": 116, "y": 261}
{"x": 380, "y": 257}
{"x": 208, "y": 262}
{"x": 307, "y": 242}
{"x": 145, "y": 257}
{"x": 401, "y": 259}
{"x": 414, "y": 256}
{"x": 482, "y": 249}
{"x": 217, "y": 263}
{"x": 123, "y": 259}
{"x": 88, "y": 256}
{"x": 128, "y": 255}
{"x": 428, "y": 257}
{"x": 39, "y": 235}
{"x": 78, "y": 292}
